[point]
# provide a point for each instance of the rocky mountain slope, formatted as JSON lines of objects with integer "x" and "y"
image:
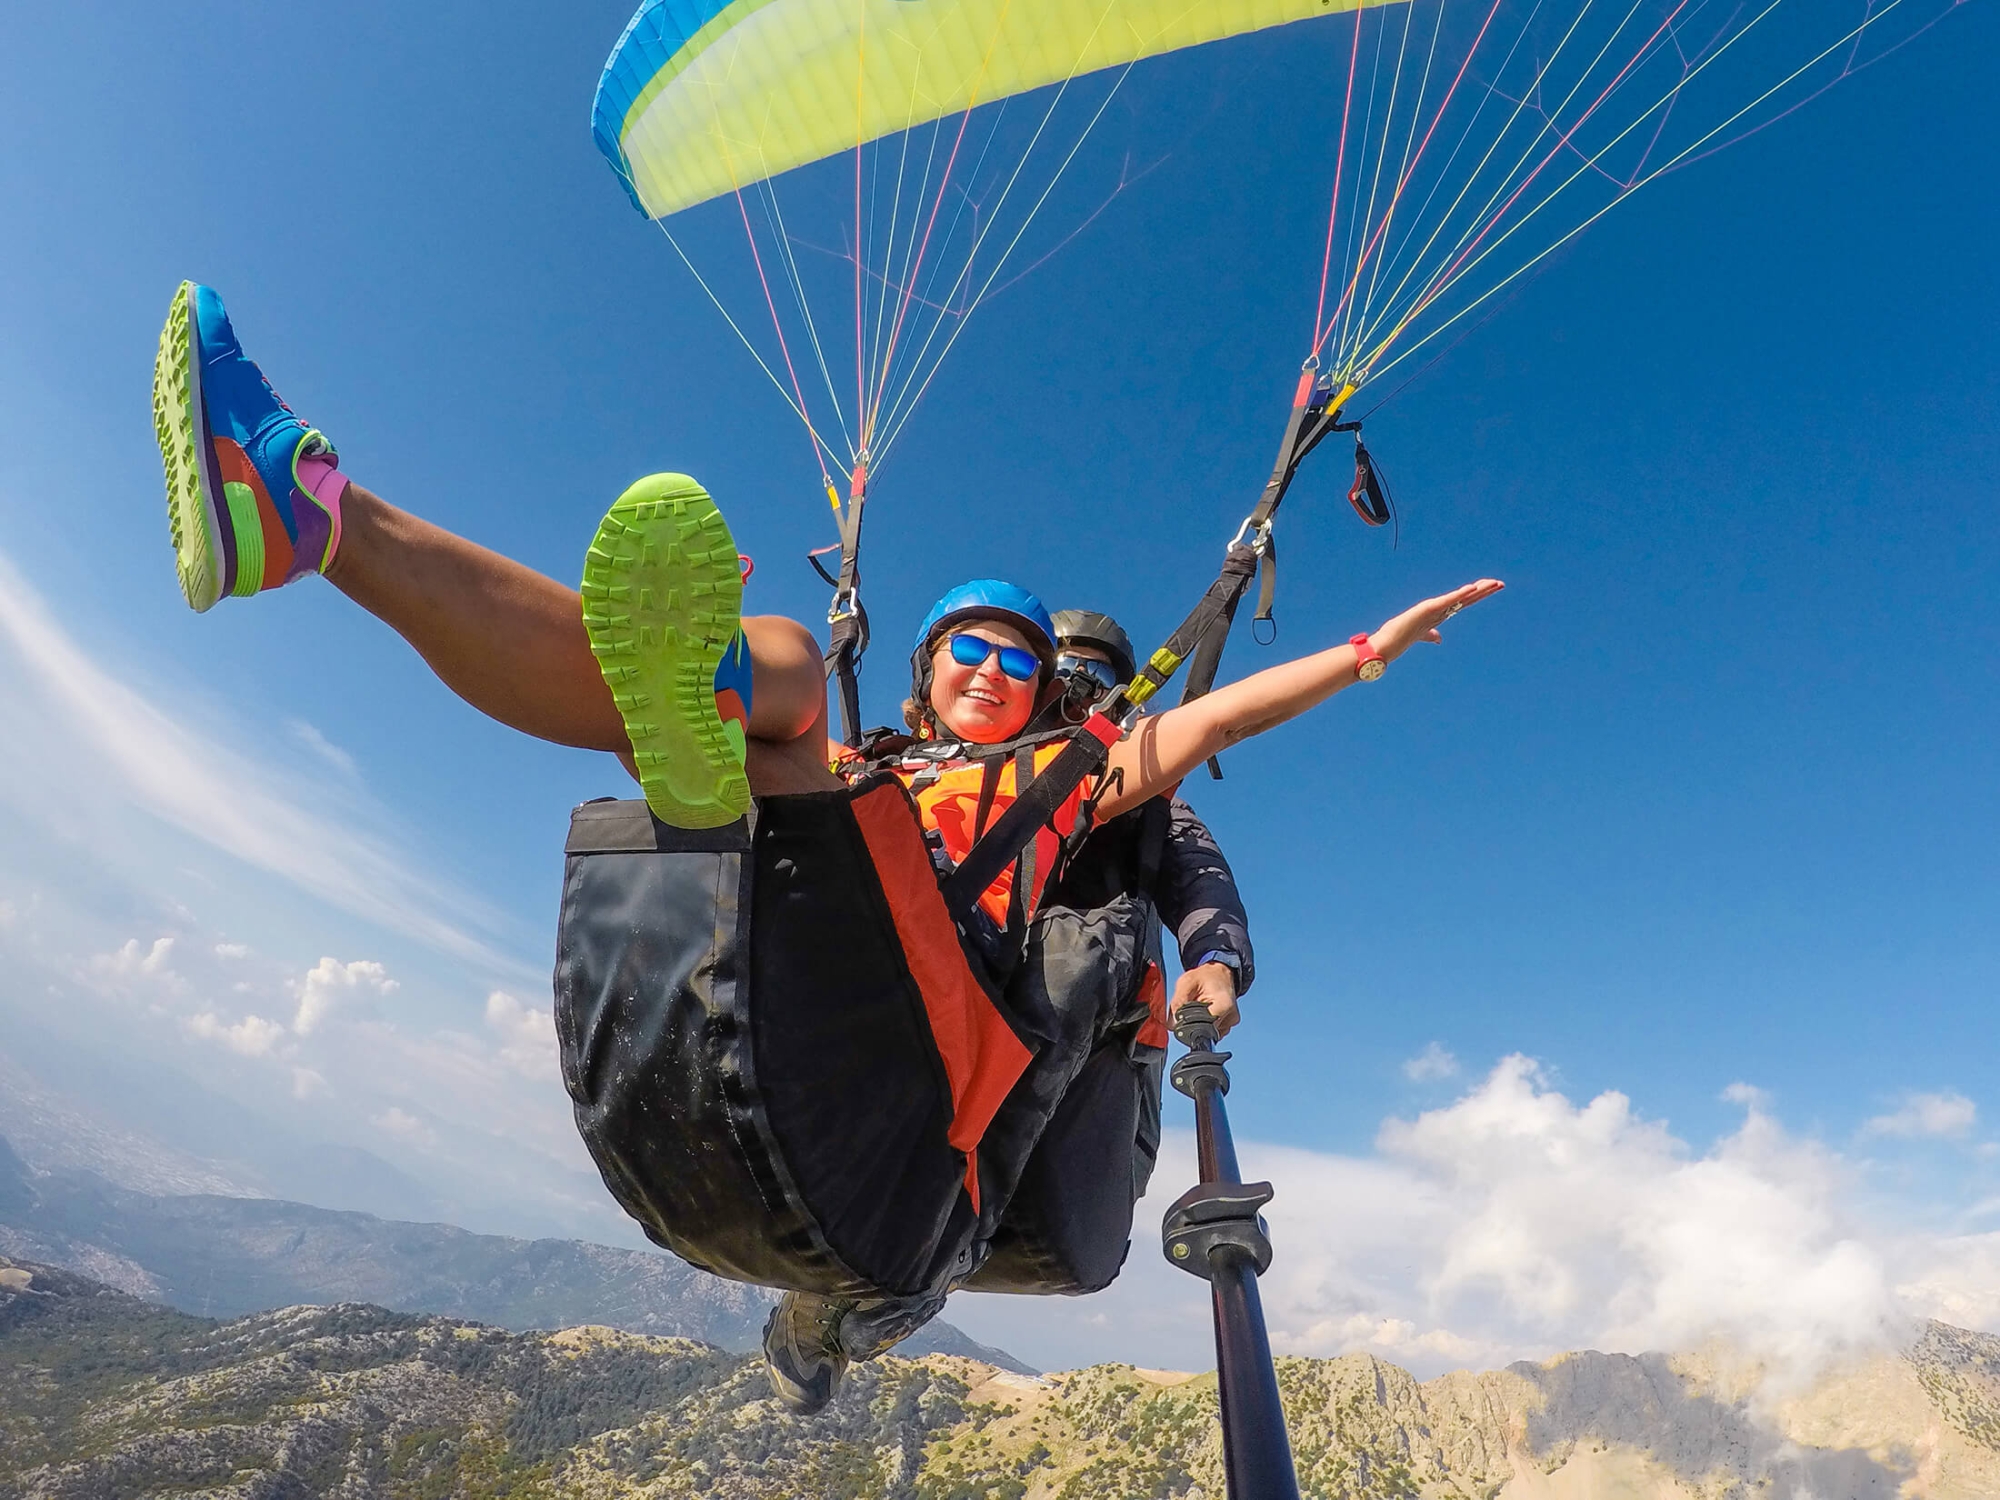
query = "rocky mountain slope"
{"x": 223, "y": 1256}
{"x": 102, "y": 1395}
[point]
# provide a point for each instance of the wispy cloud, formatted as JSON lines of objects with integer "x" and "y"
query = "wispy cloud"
{"x": 1947, "y": 1115}
{"x": 133, "y": 961}
{"x": 111, "y": 741}
{"x": 1432, "y": 1063}
{"x": 527, "y": 1035}
{"x": 253, "y": 1036}
{"x": 465, "y": 1085}
{"x": 309, "y": 736}
{"x": 403, "y": 1125}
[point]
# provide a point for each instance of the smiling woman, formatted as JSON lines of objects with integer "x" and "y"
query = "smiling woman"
{"x": 958, "y": 1007}
{"x": 783, "y": 928}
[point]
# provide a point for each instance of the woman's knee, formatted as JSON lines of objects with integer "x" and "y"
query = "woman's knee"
{"x": 788, "y": 694}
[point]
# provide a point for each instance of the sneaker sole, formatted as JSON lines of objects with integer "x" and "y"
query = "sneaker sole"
{"x": 193, "y": 518}
{"x": 662, "y": 597}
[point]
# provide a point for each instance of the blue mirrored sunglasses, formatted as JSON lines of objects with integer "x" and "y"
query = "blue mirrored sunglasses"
{"x": 971, "y": 650}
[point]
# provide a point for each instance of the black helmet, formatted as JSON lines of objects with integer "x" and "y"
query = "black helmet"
{"x": 1086, "y": 627}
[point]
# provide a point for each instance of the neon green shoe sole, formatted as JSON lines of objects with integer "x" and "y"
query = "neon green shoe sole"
{"x": 661, "y": 601}
{"x": 177, "y": 423}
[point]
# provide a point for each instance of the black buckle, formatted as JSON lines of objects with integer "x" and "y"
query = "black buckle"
{"x": 1213, "y": 1216}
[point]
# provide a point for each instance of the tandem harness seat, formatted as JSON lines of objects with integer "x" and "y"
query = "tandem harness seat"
{"x": 790, "y": 1071}
{"x": 788, "y": 1045}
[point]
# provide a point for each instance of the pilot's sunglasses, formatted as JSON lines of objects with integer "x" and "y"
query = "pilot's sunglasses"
{"x": 972, "y": 650}
{"x": 1101, "y": 673}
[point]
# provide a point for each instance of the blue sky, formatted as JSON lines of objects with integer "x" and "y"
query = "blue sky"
{"x": 1706, "y": 798}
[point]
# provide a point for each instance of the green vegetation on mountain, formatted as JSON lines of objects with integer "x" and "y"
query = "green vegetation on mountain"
{"x": 107, "y": 1397}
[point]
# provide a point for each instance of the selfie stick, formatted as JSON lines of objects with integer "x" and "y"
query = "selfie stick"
{"x": 1213, "y": 1231}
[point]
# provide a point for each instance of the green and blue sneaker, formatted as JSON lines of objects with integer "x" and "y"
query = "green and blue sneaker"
{"x": 253, "y": 493}
{"x": 662, "y": 596}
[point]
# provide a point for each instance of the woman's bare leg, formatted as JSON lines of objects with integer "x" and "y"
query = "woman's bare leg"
{"x": 505, "y": 638}
{"x": 510, "y": 641}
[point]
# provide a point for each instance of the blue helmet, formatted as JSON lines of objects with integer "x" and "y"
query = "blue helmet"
{"x": 982, "y": 599}
{"x": 990, "y": 599}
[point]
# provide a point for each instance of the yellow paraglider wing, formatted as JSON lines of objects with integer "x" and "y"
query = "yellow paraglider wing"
{"x": 701, "y": 98}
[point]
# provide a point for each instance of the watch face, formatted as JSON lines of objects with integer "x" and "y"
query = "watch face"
{"x": 1371, "y": 669}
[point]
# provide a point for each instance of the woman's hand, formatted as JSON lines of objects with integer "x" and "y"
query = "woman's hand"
{"x": 1159, "y": 751}
{"x": 1420, "y": 621}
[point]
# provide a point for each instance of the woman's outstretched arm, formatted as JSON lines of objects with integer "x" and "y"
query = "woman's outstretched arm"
{"x": 1161, "y": 750}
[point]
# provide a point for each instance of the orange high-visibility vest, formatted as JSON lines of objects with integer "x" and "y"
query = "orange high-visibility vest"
{"x": 950, "y": 804}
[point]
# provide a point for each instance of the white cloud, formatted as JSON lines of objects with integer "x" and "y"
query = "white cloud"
{"x": 113, "y": 748}
{"x": 131, "y": 964}
{"x": 1515, "y": 1223}
{"x": 1563, "y": 1222}
{"x": 1432, "y": 1063}
{"x": 528, "y": 1035}
{"x": 331, "y": 984}
{"x": 1948, "y": 1115}
{"x": 404, "y": 1126}
{"x": 309, "y": 736}
{"x": 145, "y": 811}
{"x": 253, "y": 1036}
{"x": 8, "y": 915}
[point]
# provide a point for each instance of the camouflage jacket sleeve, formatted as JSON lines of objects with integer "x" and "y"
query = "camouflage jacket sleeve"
{"x": 1197, "y": 896}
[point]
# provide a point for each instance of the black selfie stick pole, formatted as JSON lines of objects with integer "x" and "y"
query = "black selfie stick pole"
{"x": 1213, "y": 1231}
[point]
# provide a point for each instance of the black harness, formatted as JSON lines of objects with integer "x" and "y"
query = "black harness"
{"x": 1089, "y": 731}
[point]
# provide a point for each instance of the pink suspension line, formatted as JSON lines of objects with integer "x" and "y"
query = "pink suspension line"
{"x": 1325, "y": 331}
{"x": 907, "y": 293}
{"x": 1443, "y": 279}
{"x": 860, "y": 377}
{"x": 778, "y": 327}
{"x": 1339, "y": 176}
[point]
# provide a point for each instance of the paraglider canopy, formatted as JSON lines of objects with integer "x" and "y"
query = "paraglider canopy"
{"x": 1463, "y": 141}
{"x": 702, "y": 97}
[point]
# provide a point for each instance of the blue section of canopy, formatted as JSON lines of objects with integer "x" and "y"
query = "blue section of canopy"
{"x": 659, "y": 30}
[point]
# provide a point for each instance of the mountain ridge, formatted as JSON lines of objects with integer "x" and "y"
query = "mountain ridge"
{"x": 103, "y": 1394}
{"x": 221, "y": 1255}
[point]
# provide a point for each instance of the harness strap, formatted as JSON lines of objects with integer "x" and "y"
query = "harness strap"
{"x": 1156, "y": 819}
{"x": 1237, "y": 569}
{"x": 1024, "y": 867}
{"x": 1315, "y": 414}
{"x": 846, "y": 619}
{"x": 843, "y": 669}
{"x": 1015, "y": 829}
{"x": 1267, "y": 584}
{"x": 989, "y": 785}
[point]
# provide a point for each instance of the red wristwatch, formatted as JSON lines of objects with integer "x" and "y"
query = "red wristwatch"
{"x": 1368, "y": 662}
